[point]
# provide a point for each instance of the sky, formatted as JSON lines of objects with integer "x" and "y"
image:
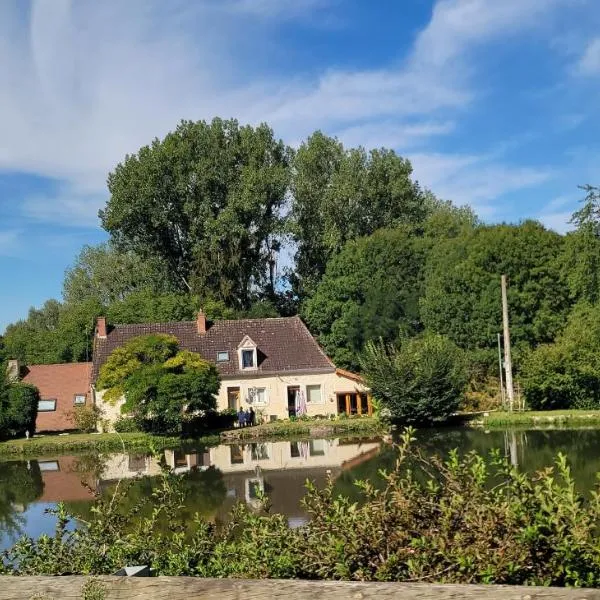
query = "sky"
{"x": 493, "y": 101}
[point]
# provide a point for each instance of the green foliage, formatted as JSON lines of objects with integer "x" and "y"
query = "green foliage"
{"x": 339, "y": 195}
{"x": 145, "y": 306}
{"x": 370, "y": 290}
{"x": 85, "y": 418}
{"x": 129, "y": 358}
{"x": 53, "y": 334}
{"x": 20, "y": 485}
{"x": 106, "y": 442}
{"x": 462, "y": 298}
{"x": 104, "y": 274}
{"x": 204, "y": 202}
{"x": 421, "y": 382}
{"x": 462, "y": 520}
{"x": 126, "y": 425}
{"x": 566, "y": 374}
{"x": 159, "y": 383}
{"x": 18, "y": 409}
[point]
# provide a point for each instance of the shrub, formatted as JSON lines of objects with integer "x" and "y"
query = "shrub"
{"x": 421, "y": 382}
{"x": 463, "y": 520}
{"x": 126, "y": 425}
{"x": 85, "y": 418}
{"x": 566, "y": 374}
{"x": 19, "y": 409}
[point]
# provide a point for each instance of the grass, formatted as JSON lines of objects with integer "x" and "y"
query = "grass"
{"x": 90, "y": 442}
{"x": 312, "y": 428}
{"x": 547, "y": 417}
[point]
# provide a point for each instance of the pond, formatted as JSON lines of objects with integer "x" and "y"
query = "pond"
{"x": 218, "y": 477}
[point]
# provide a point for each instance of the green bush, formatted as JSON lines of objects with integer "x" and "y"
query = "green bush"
{"x": 18, "y": 410}
{"x": 126, "y": 425}
{"x": 463, "y": 520}
{"x": 85, "y": 418}
{"x": 421, "y": 382}
{"x": 566, "y": 374}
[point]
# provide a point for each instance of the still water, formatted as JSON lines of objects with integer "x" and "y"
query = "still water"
{"x": 218, "y": 477}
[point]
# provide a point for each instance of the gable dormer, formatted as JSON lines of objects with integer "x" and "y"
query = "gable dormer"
{"x": 247, "y": 354}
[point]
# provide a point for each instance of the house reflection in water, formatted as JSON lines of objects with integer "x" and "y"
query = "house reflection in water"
{"x": 278, "y": 469}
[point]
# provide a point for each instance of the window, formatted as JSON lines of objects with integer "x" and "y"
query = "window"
{"x": 47, "y": 405}
{"x": 313, "y": 394}
{"x": 236, "y": 454}
{"x": 248, "y": 359}
{"x": 317, "y": 447}
{"x": 222, "y": 356}
{"x": 259, "y": 451}
{"x": 48, "y": 465}
{"x": 257, "y": 396}
{"x": 254, "y": 489}
{"x": 79, "y": 399}
{"x": 137, "y": 463}
{"x": 294, "y": 450}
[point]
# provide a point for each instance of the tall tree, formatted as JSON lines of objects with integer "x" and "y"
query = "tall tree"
{"x": 206, "y": 202}
{"x": 104, "y": 274}
{"x": 462, "y": 297}
{"x": 338, "y": 195}
{"x": 370, "y": 290}
{"x": 581, "y": 257}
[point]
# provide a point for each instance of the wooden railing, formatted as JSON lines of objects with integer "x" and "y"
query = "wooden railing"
{"x": 190, "y": 588}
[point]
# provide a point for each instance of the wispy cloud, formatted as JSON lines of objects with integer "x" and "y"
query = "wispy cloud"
{"x": 474, "y": 180}
{"x": 589, "y": 62}
{"x": 85, "y": 83}
{"x": 9, "y": 242}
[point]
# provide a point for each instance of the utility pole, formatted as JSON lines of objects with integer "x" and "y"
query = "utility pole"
{"x": 502, "y": 397}
{"x": 507, "y": 361}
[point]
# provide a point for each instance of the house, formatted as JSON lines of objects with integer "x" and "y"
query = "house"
{"x": 62, "y": 387}
{"x": 274, "y": 365}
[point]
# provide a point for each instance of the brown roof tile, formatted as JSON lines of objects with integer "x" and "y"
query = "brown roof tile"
{"x": 284, "y": 345}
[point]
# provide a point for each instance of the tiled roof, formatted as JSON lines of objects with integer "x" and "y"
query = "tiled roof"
{"x": 60, "y": 382}
{"x": 284, "y": 345}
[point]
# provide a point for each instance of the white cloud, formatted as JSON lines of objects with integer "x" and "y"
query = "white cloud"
{"x": 558, "y": 221}
{"x": 473, "y": 180}
{"x": 9, "y": 242}
{"x": 84, "y": 83}
{"x": 589, "y": 63}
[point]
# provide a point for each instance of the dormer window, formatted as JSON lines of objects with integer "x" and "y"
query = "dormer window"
{"x": 248, "y": 359}
{"x": 247, "y": 355}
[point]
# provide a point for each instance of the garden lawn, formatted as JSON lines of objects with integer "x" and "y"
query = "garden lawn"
{"x": 548, "y": 417}
{"x": 315, "y": 428}
{"x": 92, "y": 442}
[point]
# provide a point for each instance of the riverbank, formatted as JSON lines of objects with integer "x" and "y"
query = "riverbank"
{"x": 96, "y": 442}
{"x": 144, "y": 442}
{"x": 559, "y": 418}
{"x": 314, "y": 428}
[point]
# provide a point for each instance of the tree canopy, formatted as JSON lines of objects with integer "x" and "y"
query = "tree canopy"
{"x": 370, "y": 290}
{"x": 206, "y": 203}
{"x": 159, "y": 383}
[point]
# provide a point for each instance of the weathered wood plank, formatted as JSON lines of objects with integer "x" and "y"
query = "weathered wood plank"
{"x": 190, "y": 588}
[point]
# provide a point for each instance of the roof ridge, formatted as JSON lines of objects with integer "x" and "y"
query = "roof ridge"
{"x": 154, "y": 323}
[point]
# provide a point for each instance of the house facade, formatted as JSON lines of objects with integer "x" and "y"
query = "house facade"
{"x": 273, "y": 365}
{"x": 62, "y": 387}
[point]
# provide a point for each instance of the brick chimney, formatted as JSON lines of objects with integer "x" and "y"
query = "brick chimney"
{"x": 201, "y": 322}
{"x": 13, "y": 370}
{"x": 101, "y": 327}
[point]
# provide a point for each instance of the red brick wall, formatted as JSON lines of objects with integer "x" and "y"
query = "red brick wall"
{"x": 60, "y": 382}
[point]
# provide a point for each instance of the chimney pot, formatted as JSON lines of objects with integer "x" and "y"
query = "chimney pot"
{"x": 101, "y": 327}
{"x": 201, "y": 322}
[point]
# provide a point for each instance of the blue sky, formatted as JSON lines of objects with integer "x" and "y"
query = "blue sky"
{"x": 494, "y": 101}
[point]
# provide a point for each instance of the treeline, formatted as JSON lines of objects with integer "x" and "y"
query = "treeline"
{"x": 228, "y": 218}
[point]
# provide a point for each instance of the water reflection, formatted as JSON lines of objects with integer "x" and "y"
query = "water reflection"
{"x": 216, "y": 478}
